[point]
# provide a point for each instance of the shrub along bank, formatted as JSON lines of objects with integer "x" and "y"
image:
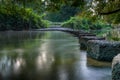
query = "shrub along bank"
{"x": 85, "y": 24}
{"x": 19, "y": 18}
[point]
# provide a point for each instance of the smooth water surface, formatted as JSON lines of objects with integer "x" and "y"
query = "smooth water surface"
{"x": 47, "y": 56}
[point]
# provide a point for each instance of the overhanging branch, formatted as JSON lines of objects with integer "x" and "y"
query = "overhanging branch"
{"x": 108, "y": 13}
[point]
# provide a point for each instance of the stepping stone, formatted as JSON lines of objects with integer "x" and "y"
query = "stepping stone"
{"x": 102, "y": 50}
{"x": 85, "y": 34}
{"x": 116, "y": 68}
{"x": 84, "y": 39}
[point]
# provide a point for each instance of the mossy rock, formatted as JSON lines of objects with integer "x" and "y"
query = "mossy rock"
{"x": 103, "y": 50}
{"x": 116, "y": 68}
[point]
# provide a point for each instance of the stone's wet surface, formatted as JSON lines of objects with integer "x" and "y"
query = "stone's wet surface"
{"x": 103, "y": 50}
{"x": 47, "y": 56}
{"x": 116, "y": 68}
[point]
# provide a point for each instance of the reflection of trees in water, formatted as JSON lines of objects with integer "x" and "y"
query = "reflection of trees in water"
{"x": 16, "y": 55}
{"x": 16, "y": 64}
{"x": 19, "y": 38}
{"x": 10, "y": 63}
{"x": 29, "y": 60}
{"x": 62, "y": 69}
{"x": 64, "y": 47}
{"x": 35, "y": 59}
{"x": 94, "y": 63}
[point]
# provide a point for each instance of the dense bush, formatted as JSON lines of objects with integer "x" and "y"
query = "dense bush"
{"x": 16, "y": 17}
{"x": 85, "y": 24}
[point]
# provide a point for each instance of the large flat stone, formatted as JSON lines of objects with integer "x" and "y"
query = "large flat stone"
{"x": 103, "y": 50}
{"x": 80, "y": 33}
{"x": 116, "y": 68}
{"x": 84, "y": 39}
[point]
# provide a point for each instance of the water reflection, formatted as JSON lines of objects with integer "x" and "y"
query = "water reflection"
{"x": 92, "y": 72}
{"x": 44, "y": 59}
{"x": 7, "y": 62}
{"x": 95, "y": 63}
{"x": 5, "y": 66}
{"x": 47, "y": 56}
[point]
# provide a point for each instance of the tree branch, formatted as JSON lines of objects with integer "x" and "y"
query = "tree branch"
{"x": 108, "y": 13}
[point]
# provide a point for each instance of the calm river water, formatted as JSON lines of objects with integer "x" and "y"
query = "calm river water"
{"x": 53, "y": 55}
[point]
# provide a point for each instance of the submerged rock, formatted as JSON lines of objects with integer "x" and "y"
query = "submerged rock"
{"x": 116, "y": 68}
{"x": 103, "y": 50}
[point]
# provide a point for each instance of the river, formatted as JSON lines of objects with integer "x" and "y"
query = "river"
{"x": 34, "y": 55}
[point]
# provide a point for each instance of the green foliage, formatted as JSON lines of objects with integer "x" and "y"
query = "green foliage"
{"x": 16, "y": 17}
{"x": 46, "y": 23}
{"x": 107, "y": 8}
{"x": 113, "y": 18}
{"x": 113, "y": 35}
{"x": 19, "y": 14}
{"x": 85, "y": 24}
{"x": 63, "y": 14}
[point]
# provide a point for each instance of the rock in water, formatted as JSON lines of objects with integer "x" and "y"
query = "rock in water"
{"x": 116, "y": 68}
{"x": 103, "y": 50}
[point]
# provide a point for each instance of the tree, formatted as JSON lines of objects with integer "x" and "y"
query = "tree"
{"x": 105, "y": 7}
